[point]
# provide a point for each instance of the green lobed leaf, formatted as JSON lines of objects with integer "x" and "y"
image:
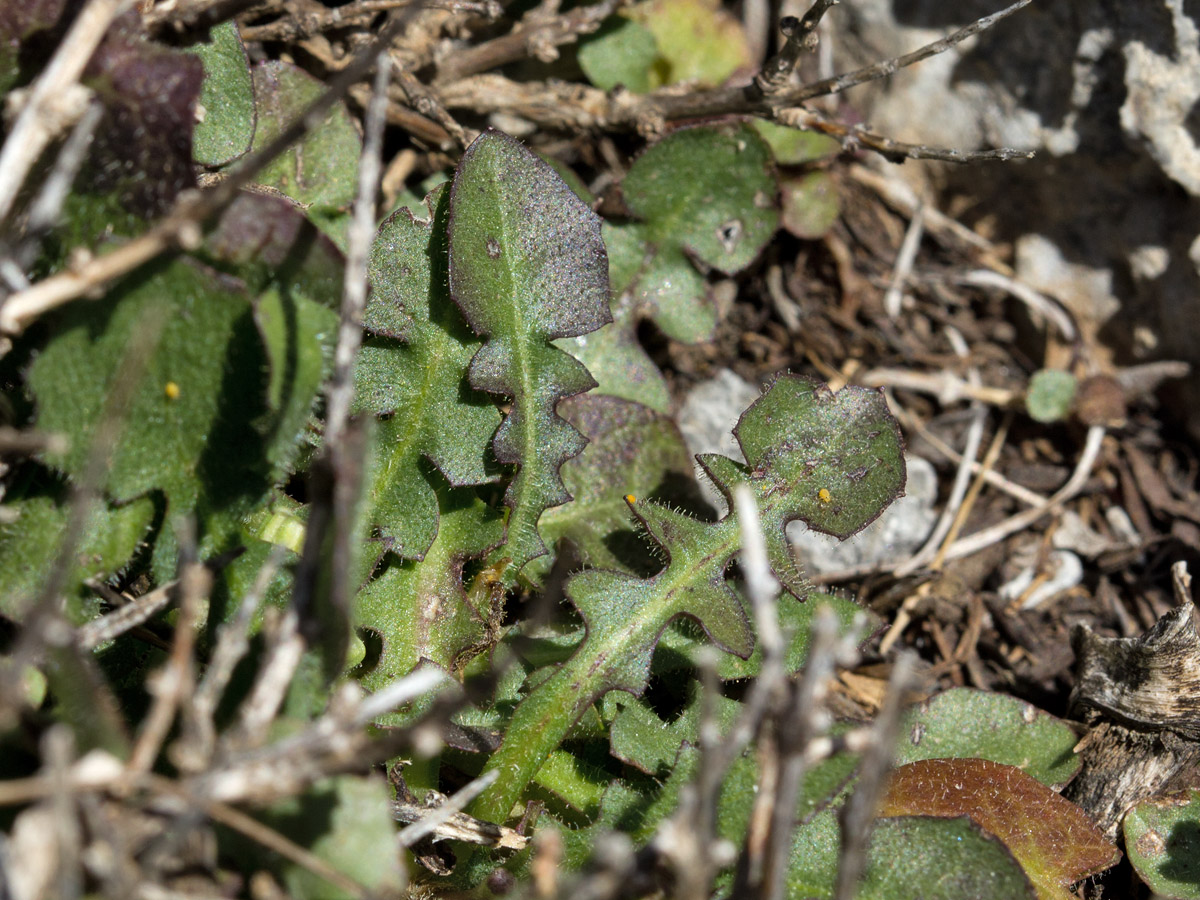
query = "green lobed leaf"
{"x": 795, "y": 617}
{"x": 1053, "y": 839}
{"x": 1162, "y": 838}
{"x": 320, "y": 172}
{"x": 226, "y": 115}
{"x": 420, "y": 609}
{"x": 707, "y": 194}
{"x": 31, "y": 536}
{"x": 967, "y": 723}
{"x": 631, "y": 450}
{"x": 411, "y": 372}
{"x": 840, "y": 460}
{"x": 643, "y": 740}
{"x": 212, "y": 381}
{"x": 625, "y": 616}
{"x": 527, "y": 265}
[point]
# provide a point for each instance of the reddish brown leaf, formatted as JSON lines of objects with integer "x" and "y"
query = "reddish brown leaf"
{"x": 1051, "y": 837}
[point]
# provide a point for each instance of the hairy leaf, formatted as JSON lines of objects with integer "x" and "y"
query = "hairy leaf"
{"x": 631, "y": 451}
{"x": 939, "y": 859}
{"x": 967, "y": 723}
{"x": 217, "y": 377}
{"x": 527, "y": 265}
{"x": 412, "y": 372}
{"x": 701, "y": 196}
{"x": 320, "y": 172}
{"x": 683, "y": 639}
{"x": 625, "y": 615}
{"x": 226, "y": 106}
{"x": 31, "y": 538}
{"x": 419, "y": 608}
{"x": 703, "y": 193}
{"x": 1162, "y": 838}
{"x": 1053, "y": 839}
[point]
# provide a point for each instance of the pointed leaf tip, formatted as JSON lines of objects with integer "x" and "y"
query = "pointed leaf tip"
{"x": 527, "y": 265}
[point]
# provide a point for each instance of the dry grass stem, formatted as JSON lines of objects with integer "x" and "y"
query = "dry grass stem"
{"x": 114, "y": 624}
{"x": 55, "y": 101}
{"x": 981, "y": 539}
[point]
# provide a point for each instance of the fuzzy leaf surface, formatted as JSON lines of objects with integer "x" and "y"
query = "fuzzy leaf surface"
{"x": 967, "y": 723}
{"x": 226, "y": 96}
{"x": 1052, "y": 838}
{"x": 1162, "y": 838}
{"x": 527, "y": 265}
{"x": 631, "y": 450}
{"x": 841, "y": 462}
{"x": 706, "y": 194}
{"x": 420, "y": 609}
{"x": 625, "y": 616}
{"x": 412, "y": 372}
{"x": 215, "y": 415}
{"x": 31, "y": 538}
{"x": 320, "y": 172}
{"x": 682, "y": 640}
{"x": 940, "y": 859}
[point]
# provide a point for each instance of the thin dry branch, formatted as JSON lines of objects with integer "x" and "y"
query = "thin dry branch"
{"x": 181, "y": 228}
{"x": 301, "y": 24}
{"x": 443, "y": 818}
{"x": 538, "y": 36}
{"x": 195, "y": 750}
{"x": 173, "y": 684}
{"x": 575, "y": 107}
{"x": 800, "y": 36}
{"x": 55, "y": 100}
{"x": 92, "y": 634}
{"x": 855, "y": 818}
